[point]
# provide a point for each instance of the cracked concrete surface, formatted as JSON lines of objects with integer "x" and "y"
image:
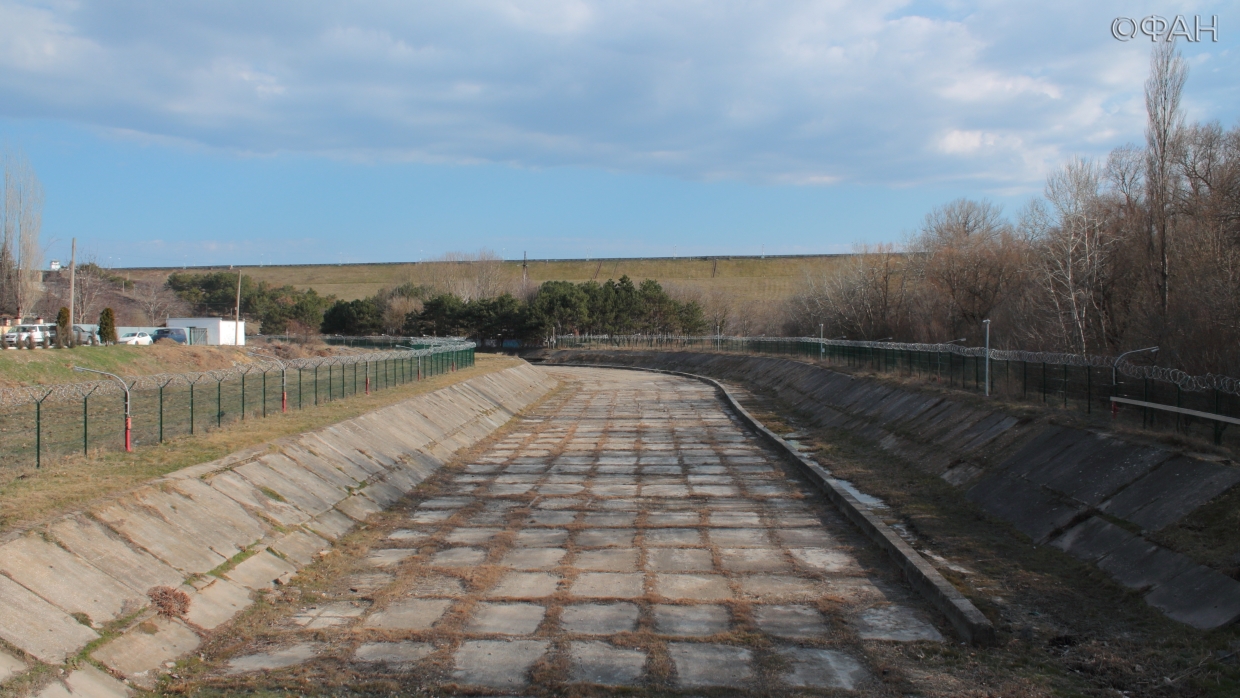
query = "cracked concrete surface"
{"x": 628, "y": 532}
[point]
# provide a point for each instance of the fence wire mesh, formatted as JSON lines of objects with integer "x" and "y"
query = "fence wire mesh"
{"x": 1071, "y": 381}
{"x": 40, "y": 422}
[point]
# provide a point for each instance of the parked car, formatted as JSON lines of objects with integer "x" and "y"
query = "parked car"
{"x": 176, "y": 334}
{"x": 23, "y": 333}
{"x": 138, "y": 339}
{"x": 85, "y": 334}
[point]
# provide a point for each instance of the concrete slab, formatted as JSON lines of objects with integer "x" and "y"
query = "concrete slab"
{"x": 216, "y": 604}
{"x": 10, "y": 666}
{"x": 329, "y": 615}
{"x": 679, "y": 560}
{"x": 331, "y": 524}
{"x": 606, "y": 537}
{"x": 436, "y": 585}
{"x": 396, "y": 655}
{"x": 300, "y": 546}
{"x": 740, "y": 537}
{"x": 895, "y": 624}
{"x": 409, "y": 614}
{"x": 1171, "y": 491}
{"x": 160, "y": 538}
{"x": 607, "y": 560}
{"x": 497, "y": 663}
{"x": 37, "y": 627}
{"x": 753, "y": 560}
{"x": 139, "y": 654}
{"x": 1139, "y": 564}
{"x": 506, "y": 618}
{"x": 274, "y": 660}
{"x": 599, "y": 619}
{"x": 540, "y": 538}
{"x": 66, "y": 580}
{"x": 790, "y": 621}
{"x": 673, "y": 537}
{"x": 1034, "y": 511}
{"x": 366, "y": 583}
{"x": 86, "y": 682}
{"x": 126, "y": 564}
{"x": 691, "y": 621}
{"x": 1200, "y": 597}
{"x": 533, "y": 558}
{"x": 1103, "y": 473}
{"x": 694, "y": 587}
{"x": 601, "y": 585}
{"x": 825, "y": 560}
{"x": 710, "y": 665}
{"x": 1092, "y": 538}
{"x": 525, "y": 585}
{"x": 820, "y": 668}
{"x": 601, "y": 663}
{"x": 773, "y": 587}
{"x": 472, "y": 536}
{"x": 458, "y": 557}
{"x": 262, "y": 571}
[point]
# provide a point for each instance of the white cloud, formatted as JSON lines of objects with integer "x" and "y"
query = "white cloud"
{"x": 783, "y": 91}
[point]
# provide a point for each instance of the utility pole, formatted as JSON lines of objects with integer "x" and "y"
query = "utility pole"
{"x": 72, "y": 279}
{"x": 237, "y": 312}
{"x": 525, "y": 272}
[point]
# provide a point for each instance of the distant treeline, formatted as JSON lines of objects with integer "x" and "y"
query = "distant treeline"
{"x": 556, "y": 307}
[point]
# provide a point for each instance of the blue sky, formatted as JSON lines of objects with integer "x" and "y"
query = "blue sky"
{"x": 288, "y": 132}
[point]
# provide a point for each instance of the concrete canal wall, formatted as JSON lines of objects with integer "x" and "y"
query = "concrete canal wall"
{"x": 1089, "y": 494}
{"x": 281, "y": 504}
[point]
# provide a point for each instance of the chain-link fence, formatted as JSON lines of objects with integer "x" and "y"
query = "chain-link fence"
{"x": 40, "y": 422}
{"x": 1152, "y": 397}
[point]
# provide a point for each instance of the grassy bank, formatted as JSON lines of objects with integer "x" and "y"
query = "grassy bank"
{"x": 741, "y": 278}
{"x": 48, "y": 366}
{"x": 28, "y": 495}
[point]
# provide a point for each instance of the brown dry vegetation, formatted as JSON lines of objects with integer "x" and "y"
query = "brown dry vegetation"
{"x": 28, "y": 495}
{"x": 736, "y": 280}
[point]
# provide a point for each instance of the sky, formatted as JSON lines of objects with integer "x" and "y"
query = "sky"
{"x": 281, "y": 132}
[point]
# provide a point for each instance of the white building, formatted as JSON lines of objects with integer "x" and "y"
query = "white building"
{"x": 219, "y": 330}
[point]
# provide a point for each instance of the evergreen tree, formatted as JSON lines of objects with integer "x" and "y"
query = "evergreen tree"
{"x": 64, "y": 333}
{"x": 107, "y": 326}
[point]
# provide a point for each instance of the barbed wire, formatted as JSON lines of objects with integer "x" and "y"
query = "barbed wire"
{"x": 1186, "y": 381}
{"x": 73, "y": 392}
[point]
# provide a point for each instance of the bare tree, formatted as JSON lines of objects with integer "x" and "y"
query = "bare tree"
{"x": 21, "y": 221}
{"x": 397, "y": 311}
{"x": 155, "y": 300}
{"x": 465, "y": 275}
{"x": 1163, "y": 88}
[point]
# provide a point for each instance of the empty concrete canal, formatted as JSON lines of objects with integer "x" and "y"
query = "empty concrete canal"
{"x": 630, "y": 531}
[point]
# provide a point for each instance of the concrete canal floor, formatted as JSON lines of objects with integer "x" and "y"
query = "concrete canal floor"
{"x": 627, "y": 535}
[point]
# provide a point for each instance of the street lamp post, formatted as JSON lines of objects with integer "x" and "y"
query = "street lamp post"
{"x": 283, "y": 377}
{"x": 1120, "y": 358}
{"x": 128, "y": 416}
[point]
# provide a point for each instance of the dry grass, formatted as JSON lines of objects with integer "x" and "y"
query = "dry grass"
{"x": 742, "y": 278}
{"x": 28, "y": 495}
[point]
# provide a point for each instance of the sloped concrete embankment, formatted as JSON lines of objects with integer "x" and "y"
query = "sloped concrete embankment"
{"x": 282, "y": 504}
{"x": 1083, "y": 492}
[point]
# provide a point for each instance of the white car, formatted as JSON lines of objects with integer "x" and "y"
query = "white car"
{"x": 139, "y": 339}
{"x": 23, "y": 334}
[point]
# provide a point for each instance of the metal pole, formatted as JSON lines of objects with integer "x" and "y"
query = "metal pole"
{"x": 128, "y": 416}
{"x": 987, "y": 324}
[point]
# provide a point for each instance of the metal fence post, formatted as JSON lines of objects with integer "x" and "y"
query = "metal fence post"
{"x": 243, "y": 395}
{"x": 219, "y": 403}
{"x": 191, "y": 407}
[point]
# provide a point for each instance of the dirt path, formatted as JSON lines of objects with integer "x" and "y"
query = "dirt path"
{"x": 629, "y": 535}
